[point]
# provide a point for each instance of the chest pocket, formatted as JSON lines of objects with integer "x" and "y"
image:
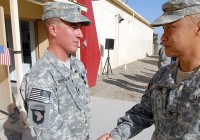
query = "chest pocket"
{"x": 73, "y": 91}
{"x": 159, "y": 98}
{"x": 188, "y": 112}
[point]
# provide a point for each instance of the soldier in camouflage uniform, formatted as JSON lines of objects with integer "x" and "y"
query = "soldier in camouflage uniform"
{"x": 172, "y": 99}
{"x": 55, "y": 90}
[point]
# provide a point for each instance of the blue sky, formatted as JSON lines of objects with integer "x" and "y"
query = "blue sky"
{"x": 149, "y": 10}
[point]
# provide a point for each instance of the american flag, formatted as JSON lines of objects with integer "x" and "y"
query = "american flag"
{"x": 4, "y": 56}
{"x": 1, "y": 49}
{"x": 40, "y": 95}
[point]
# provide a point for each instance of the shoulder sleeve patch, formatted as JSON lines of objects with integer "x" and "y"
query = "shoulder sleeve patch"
{"x": 40, "y": 95}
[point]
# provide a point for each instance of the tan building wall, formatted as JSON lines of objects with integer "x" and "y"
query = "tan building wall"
{"x": 30, "y": 12}
{"x": 133, "y": 36}
{"x": 42, "y": 39}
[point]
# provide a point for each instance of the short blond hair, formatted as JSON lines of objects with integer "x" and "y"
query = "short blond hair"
{"x": 48, "y": 22}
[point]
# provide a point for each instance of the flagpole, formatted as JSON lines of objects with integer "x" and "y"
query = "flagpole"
{"x": 17, "y": 55}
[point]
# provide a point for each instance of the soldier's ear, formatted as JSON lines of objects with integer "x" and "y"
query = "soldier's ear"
{"x": 198, "y": 29}
{"x": 52, "y": 29}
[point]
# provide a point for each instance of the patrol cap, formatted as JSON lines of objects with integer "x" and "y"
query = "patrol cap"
{"x": 65, "y": 11}
{"x": 175, "y": 10}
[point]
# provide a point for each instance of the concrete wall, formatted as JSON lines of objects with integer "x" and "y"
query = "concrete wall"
{"x": 133, "y": 39}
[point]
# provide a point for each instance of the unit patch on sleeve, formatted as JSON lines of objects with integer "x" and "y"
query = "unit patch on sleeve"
{"x": 38, "y": 113}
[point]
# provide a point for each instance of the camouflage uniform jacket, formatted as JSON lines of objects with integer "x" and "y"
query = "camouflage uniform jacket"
{"x": 57, "y": 99}
{"x": 173, "y": 108}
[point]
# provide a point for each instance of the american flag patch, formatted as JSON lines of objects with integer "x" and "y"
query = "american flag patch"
{"x": 40, "y": 95}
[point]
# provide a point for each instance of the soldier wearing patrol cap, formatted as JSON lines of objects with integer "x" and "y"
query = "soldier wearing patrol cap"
{"x": 172, "y": 99}
{"x": 55, "y": 90}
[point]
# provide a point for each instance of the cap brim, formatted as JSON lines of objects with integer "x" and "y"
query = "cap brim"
{"x": 77, "y": 19}
{"x": 165, "y": 19}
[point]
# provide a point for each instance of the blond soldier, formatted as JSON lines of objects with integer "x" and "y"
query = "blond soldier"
{"x": 55, "y": 90}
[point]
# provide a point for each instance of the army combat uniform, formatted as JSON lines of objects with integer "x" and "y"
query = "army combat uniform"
{"x": 173, "y": 107}
{"x": 57, "y": 99}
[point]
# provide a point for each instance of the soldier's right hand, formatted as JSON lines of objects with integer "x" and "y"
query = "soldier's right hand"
{"x": 105, "y": 137}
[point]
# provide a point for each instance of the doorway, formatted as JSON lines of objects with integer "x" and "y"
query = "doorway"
{"x": 27, "y": 34}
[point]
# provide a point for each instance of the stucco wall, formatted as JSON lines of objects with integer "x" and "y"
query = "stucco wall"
{"x": 133, "y": 39}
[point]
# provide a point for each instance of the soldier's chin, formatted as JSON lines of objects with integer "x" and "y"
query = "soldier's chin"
{"x": 168, "y": 54}
{"x": 76, "y": 46}
{"x": 73, "y": 52}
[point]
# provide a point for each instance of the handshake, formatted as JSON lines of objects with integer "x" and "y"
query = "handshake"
{"x": 105, "y": 137}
